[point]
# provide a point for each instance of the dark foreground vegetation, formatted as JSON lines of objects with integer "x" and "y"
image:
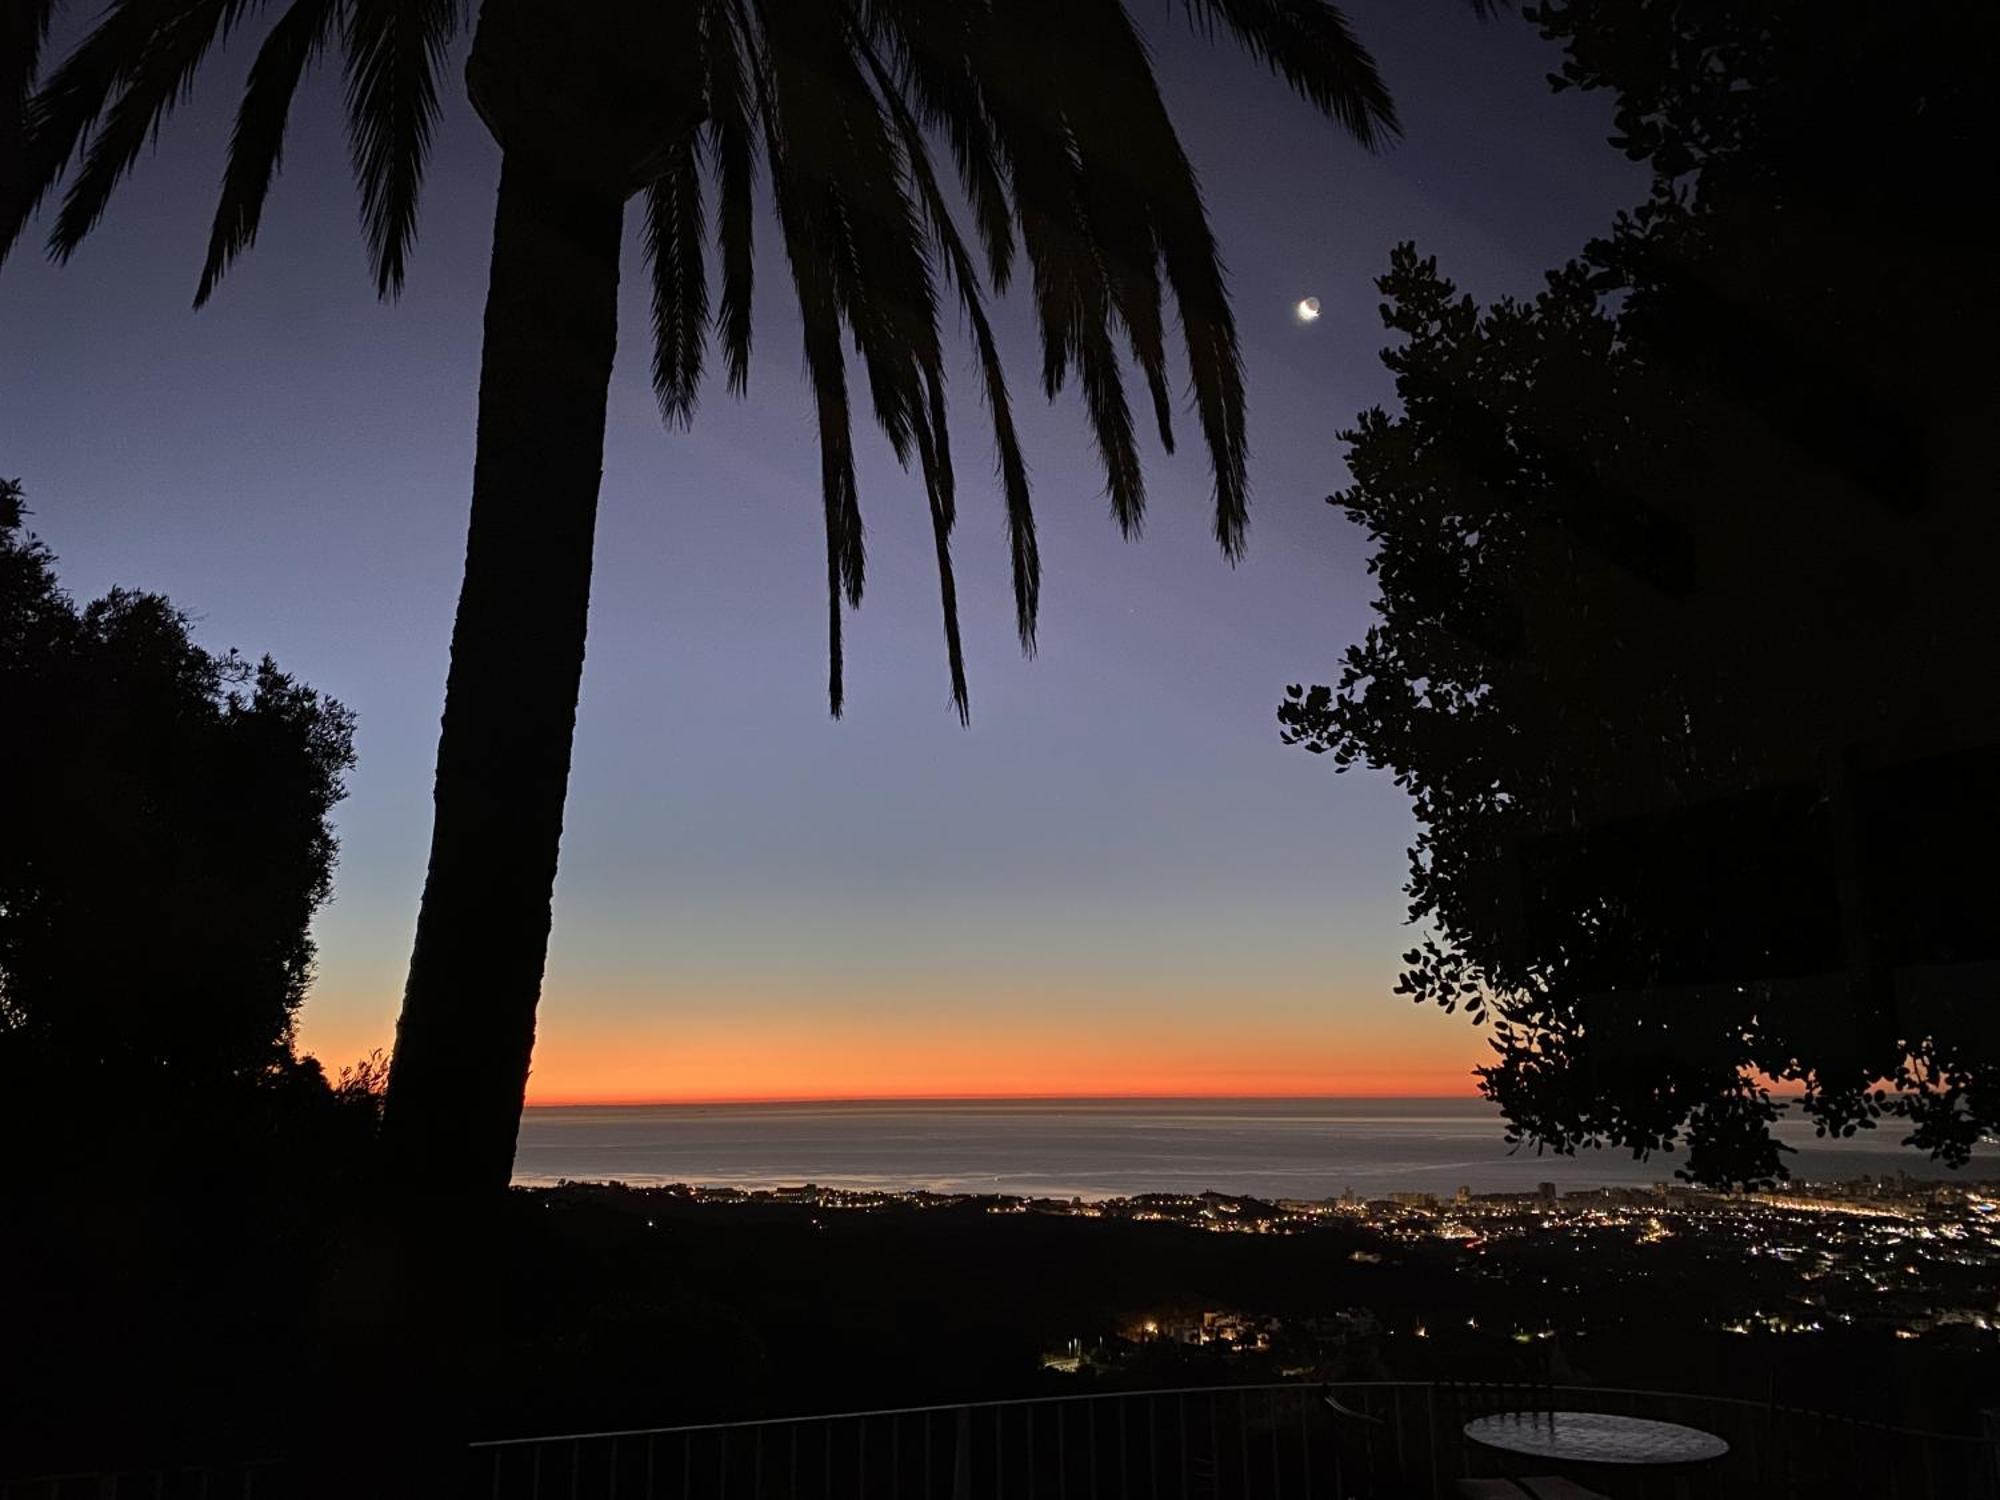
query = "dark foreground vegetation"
{"x": 185, "y": 1327}
{"x": 167, "y": 838}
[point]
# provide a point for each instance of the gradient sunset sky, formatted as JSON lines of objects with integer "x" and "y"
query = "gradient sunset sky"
{"x": 1116, "y": 882}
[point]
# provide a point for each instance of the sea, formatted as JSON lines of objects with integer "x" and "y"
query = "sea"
{"x": 1109, "y": 1148}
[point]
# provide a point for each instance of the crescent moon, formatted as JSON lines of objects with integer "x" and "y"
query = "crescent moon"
{"x": 1308, "y": 310}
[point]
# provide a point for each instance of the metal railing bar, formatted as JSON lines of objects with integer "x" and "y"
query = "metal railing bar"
{"x": 1093, "y": 1453}
{"x": 1277, "y": 1464}
{"x": 1242, "y": 1439}
{"x": 1124, "y": 1455}
{"x": 1153, "y": 1446}
{"x": 1431, "y": 1431}
{"x": 1078, "y": 1398}
{"x": 1215, "y": 1439}
{"x": 1097, "y": 1396}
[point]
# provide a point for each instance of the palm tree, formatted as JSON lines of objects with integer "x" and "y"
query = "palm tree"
{"x": 1063, "y": 155}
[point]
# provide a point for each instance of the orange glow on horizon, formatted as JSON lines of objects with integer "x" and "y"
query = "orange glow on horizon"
{"x": 1069, "y": 1059}
{"x": 1424, "y": 1089}
{"x": 772, "y": 1050}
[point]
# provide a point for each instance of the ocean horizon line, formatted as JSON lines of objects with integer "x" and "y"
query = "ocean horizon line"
{"x": 754, "y": 1101}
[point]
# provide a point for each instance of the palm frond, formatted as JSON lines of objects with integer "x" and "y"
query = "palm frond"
{"x": 732, "y": 149}
{"x": 1147, "y": 150}
{"x": 959, "y": 270}
{"x": 940, "y": 437}
{"x": 1035, "y": 101}
{"x": 935, "y": 55}
{"x": 256, "y": 145}
{"x": 936, "y": 462}
{"x": 845, "y": 554}
{"x": 848, "y": 160}
{"x": 159, "y": 79}
{"x": 845, "y": 160}
{"x": 674, "y": 233}
{"x": 394, "y": 50}
{"x": 24, "y": 29}
{"x": 1028, "y": 125}
{"x": 58, "y": 119}
{"x": 810, "y": 248}
{"x": 981, "y": 173}
{"x": 1111, "y": 423}
{"x": 1310, "y": 45}
{"x": 1095, "y": 43}
{"x": 1136, "y": 296}
{"x": 846, "y": 185}
{"x": 826, "y": 369}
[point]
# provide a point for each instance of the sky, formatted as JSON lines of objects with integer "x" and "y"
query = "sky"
{"x": 1116, "y": 881}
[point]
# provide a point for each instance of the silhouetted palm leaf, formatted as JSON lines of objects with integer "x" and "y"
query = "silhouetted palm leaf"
{"x": 394, "y": 49}
{"x": 158, "y": 79}
{"x": 732, "y": 112}
{"x": 674, "y": 224}
{"x": 24, "y": 30}
{"x": 1310, "y": 45}
{"x": 1061, "y": 147}
{"x": 59, "y": 116}
{"x": 256, "y": 146}
{"x": 959, "y": 269}
{"x": 932, "y": 48}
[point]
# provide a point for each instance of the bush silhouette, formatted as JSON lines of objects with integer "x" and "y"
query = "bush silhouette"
{"x": 167, "y": 845}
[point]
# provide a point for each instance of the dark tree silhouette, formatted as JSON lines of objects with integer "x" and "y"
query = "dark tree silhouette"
{"x": 1063, "y": 150}
{"x": 167, "y": 843}
{"x": 1686, "y": 604}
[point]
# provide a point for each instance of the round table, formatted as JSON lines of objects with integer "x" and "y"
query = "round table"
{"x": 1589, "y": 1437}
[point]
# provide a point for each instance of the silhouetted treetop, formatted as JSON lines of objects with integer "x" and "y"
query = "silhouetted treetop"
{"x": 1686, "y": 604}
{"x": 167, "y": 845}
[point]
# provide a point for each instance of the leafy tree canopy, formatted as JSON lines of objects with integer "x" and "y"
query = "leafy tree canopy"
{"x": 167, "y": 843}
{"x": 1684, "y": 648}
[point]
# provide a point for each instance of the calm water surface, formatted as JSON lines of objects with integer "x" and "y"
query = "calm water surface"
{"x": 1303, "y": 1148}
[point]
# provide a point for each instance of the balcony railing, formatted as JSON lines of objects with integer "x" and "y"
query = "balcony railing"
{"x": 1374, "y": 1440}
{"x": 1381, "y": 1440}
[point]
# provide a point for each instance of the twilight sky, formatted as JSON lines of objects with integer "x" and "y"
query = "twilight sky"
{"x": 1117, "y": 881}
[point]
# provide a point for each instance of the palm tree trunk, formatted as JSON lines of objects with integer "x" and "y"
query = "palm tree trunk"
{"x": 462, "y": 1045}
